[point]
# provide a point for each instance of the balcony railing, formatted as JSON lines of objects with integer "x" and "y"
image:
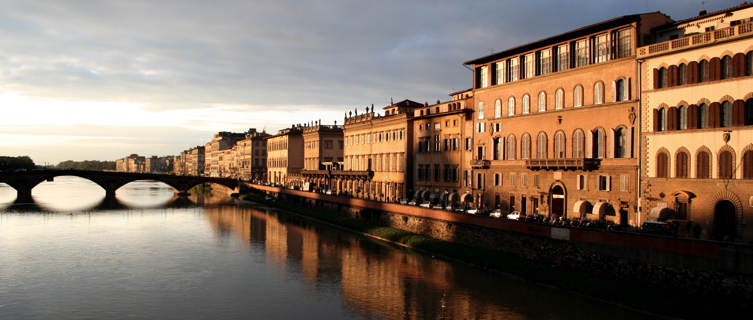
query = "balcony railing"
{"x": 696, "y": 39}
{"x": 563, "y": 164}
{"x": 480, "y": 164}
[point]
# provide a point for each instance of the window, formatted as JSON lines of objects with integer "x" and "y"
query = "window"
{"x": 542, "y": 101}
{"x": 500, "y": 72}
{"x": 749, "y": 63}
{"x": 579, "y": 142}
{"x": 526, "y": 104}
{"x": 511, "y": 147}
{"x": 605, "y": 183}
{"x": 682, "y": 74}
{"x": 578, "y": 96}
{"x": 703, "y": 116}
{"x": 681, "y": 165}
{"x": 599, "y": 93}
{"x": 748, "y": 116}
{"x": 484, "y": 77}
{"x": 481, "y": 127}
{"x": 662, "y": 121}
{"x": 726, "y": 119}
{"x": 619, "y": 90}
{"x": 624, "y": 183}
{"x": 437, "y": 126}
{"x": 563, "y": 57}
{"x": 748, "y": 164}
{"x": 497, "y": 108}
{"x": 559, "y": 145}
{"x": 529, "y": 65}
{"x": 481, "y": 110}
{"x": 703, "y": 71}
{"x": 599, "y": 143}
{"x": 662, "y": 165}
{"x": 682, "y": 119}
{"x": 662, "y": 78}
{"x": 545, "y": 61}
{"x": 511, "y": 106}
{"x": 581, "y": 53}
{"x": 601, "y": 48}
{"x": 541, "y": 146}
{"x": 559, "y": 99}
{"x": 523, "y": 180}
{"x": 624, "y": 43}
{"x": 619, "y": 143}
{"x": 726, "y": 165}
{"x": 496, "y": 148}
{"x": 702, "y": 165}
{"x": 436, "y": 173}
{"x": 468, "y": 144}
{"x": 514, "y": 72}
{"x": 580, "y": 182}
{"x": 726, "y": 67}
{"x": 497, "y": 179}
{"x": 525, "y": 146}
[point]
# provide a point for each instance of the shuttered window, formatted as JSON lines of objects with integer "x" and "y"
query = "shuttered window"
{"x": 541, "y": 146}
{"x": 661, "y": 165}
{"x": 525, "y": 146}
{"x": 703, "y": 163}
{"x": 559, "y": 145}
{"x": 681, "y": 165}
{"x": 748, "y": 164}
{"x": 579, "y": 142}
{"x": 725, "y": 165}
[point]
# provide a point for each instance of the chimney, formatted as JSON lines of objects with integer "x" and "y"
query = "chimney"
{"x": 702, "y": 12}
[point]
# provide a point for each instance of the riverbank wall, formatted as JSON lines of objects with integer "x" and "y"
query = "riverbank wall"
{"x": 695, "y": 268}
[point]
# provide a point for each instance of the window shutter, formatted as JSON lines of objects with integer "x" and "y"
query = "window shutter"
{"x": 672, "y": 119}
{"x": 738, "y": 113}
{"x": 738, "y": 65}
{"x": 692, "y": 72}
{"x": 656, "y": 120}
{"x": 715, "y": 69}
{"x": 656, "y": 78}
{"x": 692, "y": 116}
{"x": 577, "y": 182}
{"x": 715, "y": 115}
{"x": 672, "y": 76}
{"x": 609, "y": 183}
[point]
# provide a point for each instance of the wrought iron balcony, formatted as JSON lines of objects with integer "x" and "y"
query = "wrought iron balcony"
{"x": 480, "y": 164}
{"x": 563, "y": 164}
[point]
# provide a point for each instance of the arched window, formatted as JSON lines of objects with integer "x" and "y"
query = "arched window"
{"x": 579, "y": 142}
{"x": 749, "y": 63}
{"x": 578, "y": 96}
{"x": 726, "y": 110}
{"x": 681, "y": 165}
{"x": 497, "y": 108}
{"x": 682, "y": 118}
{"x": 662, "y": 163}
{"x": 619, "y": 90}
{"x": 702, "y": 165}
{"x": 662, "y": 121}
{"x": 525, "y": 146}
{"x": 559, "y": 99}
{"x": 682, "y": 74}
{"x": 559, "y": 145}
{"x": 599, "y": 92}
{"x": 542, "y": 101}
{"x": 662, "y": 78}
{"x": 511, "y": 106}
{"x": 748, "y": 112}
{"x": 619, "y": 143}
{"x": 541, "y": 146}
{"x": 748, "y": 164}
{"x": 725, "y": 165}
{"x": 481, "y": 110}
{"x": 703, "y": 116}
{"x": 599, "y": 142}
{"x": 511, "y": 147}
{"x": 703, "y": 71}
{"x": 497, "y": 148}
{"x": 726, "y": 67}
{"x": 526, "y": 104}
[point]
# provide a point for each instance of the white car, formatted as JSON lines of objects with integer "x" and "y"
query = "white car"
{"x": 437, "y": 206}
{"x": 328, "y": 192}
{"x": 471, "y": 211}
{"x": 403, "y": 201}
{"x": 515, "y": 215}
{"x": 496, "y": 213}
{"x": 412, "y": 203}
{"x": 425, "y": 204}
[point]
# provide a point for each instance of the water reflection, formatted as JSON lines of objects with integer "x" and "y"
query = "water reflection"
{"x": 377, "y": 281}
{"x": 145, "y": 194}
{"x": 67, "y": 193}
{"x": 7, "y": 195}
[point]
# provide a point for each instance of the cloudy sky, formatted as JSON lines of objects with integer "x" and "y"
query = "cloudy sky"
{"x": 103, "y": 79}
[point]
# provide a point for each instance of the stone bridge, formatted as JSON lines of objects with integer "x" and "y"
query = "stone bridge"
{"x": 24, "y": 181}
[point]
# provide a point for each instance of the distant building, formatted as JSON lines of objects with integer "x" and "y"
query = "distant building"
{"x": 194, "y": 161}
{"x": 132, "y": 163}
{"x": 323, "y": 151}
{"x": 285, "y": 156}
{"x": 214, "y": 151}
{"x": 251, "y": 156}
{"x": 156, "y": 164}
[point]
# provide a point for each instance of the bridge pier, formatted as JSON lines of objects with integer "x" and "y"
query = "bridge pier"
{"x": 23, "y": 195}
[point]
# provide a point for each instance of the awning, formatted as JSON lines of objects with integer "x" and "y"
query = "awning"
{"x": 603, "y": 208}
{"x": 582, "y": 207}
{"x": 464, "y": 198}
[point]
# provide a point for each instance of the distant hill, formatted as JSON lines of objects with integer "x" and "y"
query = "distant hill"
{"x": 87, "y": 165}
{"x": 12, "y": 163}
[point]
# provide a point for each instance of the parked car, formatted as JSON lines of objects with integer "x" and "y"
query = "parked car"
{"x": 515, "y": 215}
{"x": 403, "y": 201}
{"x": 449, "y": 207}
{"x": 460, "y": 209}
{"x": 425, "y": 204}
{"x": 412, "y": 203}
{"x": 496, "y": 213}
{"x": 328, "y": 192}
{"x": 437, "y": 206}
{"x": 471, "y": 211}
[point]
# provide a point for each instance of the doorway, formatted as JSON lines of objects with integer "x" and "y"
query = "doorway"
{"x": 724, "y": 221}
{"x": 558, "y": 202}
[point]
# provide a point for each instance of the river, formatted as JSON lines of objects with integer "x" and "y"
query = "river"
{"x": 151, "y": 257}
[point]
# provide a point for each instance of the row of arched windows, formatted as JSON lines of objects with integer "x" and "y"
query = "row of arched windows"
{"x": 505, "y": 148}
{"x": 619, "y": 93}
{"x": 701, "y": 116}
{"x": 725, "y": 164}
{"x": 705, "y": 70}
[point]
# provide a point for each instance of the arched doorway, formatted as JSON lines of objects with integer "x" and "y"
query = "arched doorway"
{"x": 557, "y": 207}
{"x": 724, "y": 221}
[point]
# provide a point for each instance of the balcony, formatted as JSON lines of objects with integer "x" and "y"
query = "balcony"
{"x": 695, "y": 40}
{"x": 563, "y": 164}
{"x": 480, "y": 164}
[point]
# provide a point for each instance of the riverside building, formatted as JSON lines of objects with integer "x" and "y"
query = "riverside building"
{"x": 285, "y": 157}
{"x": 697, "y": 99}
{"x": 322, "y": 153}
{"x": 556, "y": 123}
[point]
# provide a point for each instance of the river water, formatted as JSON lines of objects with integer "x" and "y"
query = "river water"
{"x": 152, "y": 257}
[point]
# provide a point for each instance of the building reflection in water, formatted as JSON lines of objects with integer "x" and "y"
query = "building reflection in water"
{"x": 378, "y": 281}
